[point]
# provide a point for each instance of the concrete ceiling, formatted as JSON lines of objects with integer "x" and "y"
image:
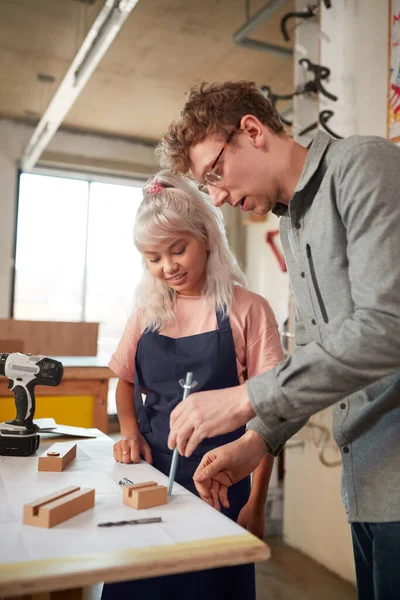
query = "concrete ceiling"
{"x": 164, "y": 48}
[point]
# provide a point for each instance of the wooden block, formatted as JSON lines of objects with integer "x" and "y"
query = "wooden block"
{"x": 58, "y": 507}
{"x": 144, "y": 495}
{"x": 57, "y": 457}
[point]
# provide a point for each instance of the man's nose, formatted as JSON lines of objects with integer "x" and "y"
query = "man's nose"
{"x": 218, "y": 195}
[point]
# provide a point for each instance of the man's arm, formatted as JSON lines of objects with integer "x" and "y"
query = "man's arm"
{"x": 366, "y": 346}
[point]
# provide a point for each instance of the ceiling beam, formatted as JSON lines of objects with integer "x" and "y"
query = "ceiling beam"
{"x": 99, "y": 38}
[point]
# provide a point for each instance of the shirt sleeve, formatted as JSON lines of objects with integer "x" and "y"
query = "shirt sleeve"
{"x": 263, "y": 352}
{"x": 122, "y": 362}
{"x": 263, "y": 343}
{"x": 366, "y": 345}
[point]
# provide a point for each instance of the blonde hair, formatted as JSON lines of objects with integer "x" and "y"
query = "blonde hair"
{"x": 211, "y": 109}
{"x": 175, "y": 207}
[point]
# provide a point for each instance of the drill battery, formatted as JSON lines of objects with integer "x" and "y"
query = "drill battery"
{"x": 18, "y": 445}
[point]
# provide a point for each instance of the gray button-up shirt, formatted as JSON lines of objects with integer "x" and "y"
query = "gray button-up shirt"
{"x": 341, "y": 239}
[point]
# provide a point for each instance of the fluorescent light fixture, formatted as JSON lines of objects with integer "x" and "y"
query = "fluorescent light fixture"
{"x": 99, "y": 38}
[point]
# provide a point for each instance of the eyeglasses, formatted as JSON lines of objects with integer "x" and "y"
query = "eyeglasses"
{"x": 211, "y": 177}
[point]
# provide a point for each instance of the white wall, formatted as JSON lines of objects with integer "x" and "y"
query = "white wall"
{"x": 73, "y": 149}
{"x": 354, "y": 45}
{"x": 262, "y": 268}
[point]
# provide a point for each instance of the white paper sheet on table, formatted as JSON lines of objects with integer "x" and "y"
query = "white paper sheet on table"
{"x": 49, "y": 426}
{"x": 185, "y": 517}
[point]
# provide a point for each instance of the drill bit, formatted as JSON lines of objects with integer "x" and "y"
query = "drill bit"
{"x": 132, "y": 522}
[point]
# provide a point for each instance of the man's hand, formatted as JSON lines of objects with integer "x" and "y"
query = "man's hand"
{"x": 207, "y": 414}
{"x": 224, "y": 466}
{"x": 131, "y": 449}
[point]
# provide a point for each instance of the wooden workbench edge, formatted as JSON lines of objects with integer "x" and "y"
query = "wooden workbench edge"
{"x": 66, "y": 573}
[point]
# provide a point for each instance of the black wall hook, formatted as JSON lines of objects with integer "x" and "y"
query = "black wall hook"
{"x": 309, "y": 12}
{"x": 273, "y": 98}
{"x": 313, "y": 86}
{"x": 307, "y": 88}
{"x": 324, "y": 117}
{"x": 320, "y": 73}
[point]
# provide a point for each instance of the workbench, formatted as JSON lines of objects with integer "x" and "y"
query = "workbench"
{"x": 78, "y": 553}
{"x": 80, "y": 399}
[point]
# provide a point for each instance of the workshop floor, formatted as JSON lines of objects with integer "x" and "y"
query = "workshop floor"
{"x": 290, "y": 575}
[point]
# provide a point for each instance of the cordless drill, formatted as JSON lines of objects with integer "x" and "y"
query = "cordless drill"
{"x": 24, "y": 371}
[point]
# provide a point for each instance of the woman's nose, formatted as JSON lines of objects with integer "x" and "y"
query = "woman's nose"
{"x": 170, "y": 266}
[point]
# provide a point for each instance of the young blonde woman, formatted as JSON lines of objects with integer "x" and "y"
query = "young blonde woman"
{"x": 193, "y": 313}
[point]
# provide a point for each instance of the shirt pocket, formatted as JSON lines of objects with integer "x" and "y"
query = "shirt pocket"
{"x": 317, "y": 289}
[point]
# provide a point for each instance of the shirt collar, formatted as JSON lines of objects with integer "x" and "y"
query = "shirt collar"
{"x": 280, "y": 209}
{"x": 316, "y": 151}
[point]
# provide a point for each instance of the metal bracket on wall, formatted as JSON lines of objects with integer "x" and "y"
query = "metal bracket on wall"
{"x": 240, "y": 37}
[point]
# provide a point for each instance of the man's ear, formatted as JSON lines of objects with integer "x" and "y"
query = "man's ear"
{"x": 255, "y": 130}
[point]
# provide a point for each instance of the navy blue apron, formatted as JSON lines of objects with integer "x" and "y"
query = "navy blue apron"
{"x": 160, "y": 363}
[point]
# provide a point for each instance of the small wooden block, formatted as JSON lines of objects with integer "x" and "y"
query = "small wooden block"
{"x": 144, "y": 495}
{"x": 58, "y": 507}
{"x": 57, "y": 457}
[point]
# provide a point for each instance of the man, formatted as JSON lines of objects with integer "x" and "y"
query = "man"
{"x": 340, "y": 229}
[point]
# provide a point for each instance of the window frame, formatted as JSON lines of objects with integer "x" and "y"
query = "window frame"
{"x": 65, "y": 173}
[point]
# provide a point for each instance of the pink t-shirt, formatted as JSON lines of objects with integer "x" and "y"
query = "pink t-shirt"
{"x": 255, "y": 333}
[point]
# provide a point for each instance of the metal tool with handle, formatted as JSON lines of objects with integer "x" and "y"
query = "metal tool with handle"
{"x": 188, "y": 384}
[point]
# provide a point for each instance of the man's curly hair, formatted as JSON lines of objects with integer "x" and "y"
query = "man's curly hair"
{"x": 213, "y": 109}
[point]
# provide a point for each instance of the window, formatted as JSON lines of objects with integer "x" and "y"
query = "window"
{"x": 75, "y": 258}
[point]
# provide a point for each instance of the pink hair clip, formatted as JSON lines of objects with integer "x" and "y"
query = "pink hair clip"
{"x": 156, "y": 187}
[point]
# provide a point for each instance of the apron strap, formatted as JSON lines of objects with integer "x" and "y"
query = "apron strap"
{"x": 142, "y": 417}
{"x": 223, "y": 321}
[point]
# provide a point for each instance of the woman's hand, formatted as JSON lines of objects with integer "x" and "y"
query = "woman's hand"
{"x": 252, "y": 518}
{"x": 131, "y": 449}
